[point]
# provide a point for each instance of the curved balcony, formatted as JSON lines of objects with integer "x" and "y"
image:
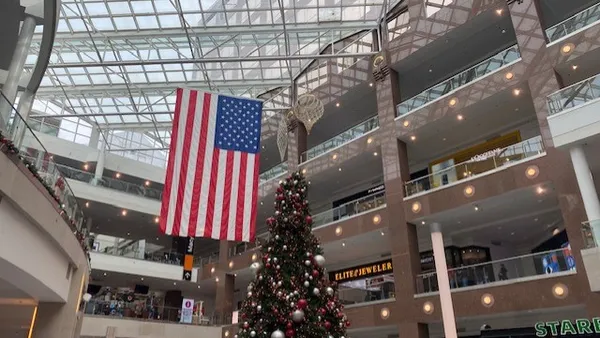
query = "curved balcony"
{"x": 577, "y": 22}
{"x": 350, "y": 209}
{"x": 339, "y": 140}
{"x": 529, "y": 267}
{"x": 574, "y": 95}
{"x": 476, "y": 167}
{"x": 274, "y": 172}
{"x": 452, "y": 84}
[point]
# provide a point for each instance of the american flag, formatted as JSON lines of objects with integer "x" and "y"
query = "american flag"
{"x": 211, "y": 187}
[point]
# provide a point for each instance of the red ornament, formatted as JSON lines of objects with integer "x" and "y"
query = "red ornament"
{"x": 290, "y": 333}
{"x": 322, "y": 311}
{"x": 308, "y": 219}
{"x": 302, "y": 304}
{"x": 268, "y": 265}
{"x": 279, "y": 189}
{"x": 270, "y": 220}
{"x": 289, "y": 325}
{"x": 347, "y": 323}
{"x": 315, "y": 273}
{"x": 246, "y": 326}
{"x": 327, "y": 325}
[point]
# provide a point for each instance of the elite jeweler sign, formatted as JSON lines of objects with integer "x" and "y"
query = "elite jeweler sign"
{"x": 566, "y": 328}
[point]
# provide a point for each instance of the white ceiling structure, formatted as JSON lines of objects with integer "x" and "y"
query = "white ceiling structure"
{"x": 116, "y": 63}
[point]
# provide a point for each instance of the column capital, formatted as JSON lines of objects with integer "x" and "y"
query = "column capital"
{"x": 435, "y": 227}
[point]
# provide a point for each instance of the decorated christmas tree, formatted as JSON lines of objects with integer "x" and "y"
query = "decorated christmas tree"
{"x": 290, "y": 295}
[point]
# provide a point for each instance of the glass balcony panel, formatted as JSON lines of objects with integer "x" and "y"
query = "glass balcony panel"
{"x": 134, "y": 249}
{"x": 349, "y": 209}
{"x": 41, "y": 165}
{"x": 276, "y": 171}
{"x": 591, "y": 234}
{"x": 508, "y": 156}
{"x": 367, "y": 290}
{"x": 574, "y": 95}
{"x": 479, "y": 70}
{"x": 537, "y": 264}
{"x": 578, "y": 21}
{"x": 147, "y": 309}
{"x": 342, "y": 138}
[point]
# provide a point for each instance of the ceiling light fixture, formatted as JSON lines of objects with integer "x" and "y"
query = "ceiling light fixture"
{"x": 87, "y": 204}
{"x": 369, "y": 140}
{"x": 124, "y": 212}
{"x": 371, "y": 84}
{"x": 499, "y": 11}
{"x": 147, "y": 183}
{"x": 574, "y": 67}
{"x": 156, "y": 219}
{"x": 453, "y": 101}
{"x": 413, "y": 137}
{"x": 118, "y": 175}
{"x": 428, "y": 308}
{"x": 343, "y": 244}
{"x": 337, "y": 104}
{"x": 532, "y": 172}
{"x": 416, "y": 207}
{"x": 460, "y": 117}
{"x": 476, "y": 208}
{"x": 339, "y": 169}
{"x": 334, "y": 156}
{"x": 86, "y": 166}
{"x": 406, "y": 123}
{"x": 487, "y": 300}
{"x": 567, "y": 48}
{"x": 560, "y": 291}
{"x": 509, "y": 76}
{"x": 254, "y": 257}
{"x": 217, "y": 279}
{"x": 382, "y": 233}
{"x": 385, "y": 313}
{"x": 338, "y": 230}
{"x": 375, "y": 154}
{"x": 304, "y": 171}
{"x": 516, "y": 91}
{"x": 376, "y": 219}
{"x": 540, "y": 190}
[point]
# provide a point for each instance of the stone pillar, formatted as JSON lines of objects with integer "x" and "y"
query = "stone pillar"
{"x": 99, "y": 164}
{"x": 441, "y": 269}
{"x": 94, "y": 138}
{"x": 173, "y": 299}
{"x": 585, "y": 181}
{"x": 403, "y": 236}
{"x": 224, "y": 306}
{"x": 24, "y": 108}
{"x": 15, "y": 70}
{"x": 413, "y": 330}
{"x": 62, "y": 320}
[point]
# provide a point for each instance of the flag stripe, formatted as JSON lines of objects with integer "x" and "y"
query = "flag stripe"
{"x": 211, "y": 188}
{"x": 177, "y": 165}
{"x": 201, "y": 151}
{"x": 233, "y": 196}
{"x": 248, "y": 197}
{"x": 210, "y": 206}
{"x": 239, "y": 229}
{"x": 164, "y": 209}
{"x": 185, "y": 155}
{"x": 254, "y": 199}
{"x": 219, "y": 192}
{"x": 201, "y": 227}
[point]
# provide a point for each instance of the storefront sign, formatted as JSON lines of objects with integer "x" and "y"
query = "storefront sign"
{"x": 567, "y": 327}
{"x": 188, "y": 259}
{"x": 362, "y": 271}
{"x": 486, "y": 155}
{"x": 187, "y": 311}
{"x": 376, "y": 189}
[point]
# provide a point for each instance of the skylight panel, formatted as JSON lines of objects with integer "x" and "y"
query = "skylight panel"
{"x": 169, "y": 21}
{"x": 147, "y": 22}
{"x": 120, "y": 7}
{"x": 96, "y": 8}
{"x": 102, "y": 24}
{"x": 126, "y": 23}
{"x": 142, "y": 7}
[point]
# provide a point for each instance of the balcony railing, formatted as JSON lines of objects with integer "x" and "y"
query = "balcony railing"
{"x": 578, "y": 21}
{"x": 276, "y": 171}
{"x": 353, "y": 208}
{"x": 111, "y": 183}
{"x": 574, "y": 95}
{"x": 41, "y": 165}
{"x": 501, "y": 158}
{"x": 463, "y": 78}
{"x": 591, "y": 234}
{"x": 509, "y": 269}
{"x": 349, "y": 135}
{"x": 142, "y": 310}
{"x": 134, "y": 249}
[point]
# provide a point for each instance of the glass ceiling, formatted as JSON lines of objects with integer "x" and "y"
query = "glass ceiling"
{"x": 116, "y": 63}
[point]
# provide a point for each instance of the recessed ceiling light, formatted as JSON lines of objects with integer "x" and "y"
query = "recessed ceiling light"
{"x": 476, "y": 208}
{"x": 516, "y": 91}
{"x": 87, "y": 204}
{"x": 453, "y": 101}
{"x": 343, "y": 243}
{"x": 147, "y": 183}
{"x": 509, "y": 76}
{"x": 142, "y": 278}
{"x": 369, "y": 140}
{"x": 334, "y": 156}
{"x": 406, "y": 123}
{"x": 340, "y": 169}
{"x": 86, "y": 166}
{"x": 262, "y": 203}
{"x": 375, "y": 154}
{"x": 567, "y": 48}
{"x": 156, "y": 219}
{"x": 371, "y": 84}
{"x": 540, "y": 190}
{"x": 105, "y": 274}
{"x": 574, "y": 67}
{"x": 118, "y": 175}
{"x": 460, "y": 117}
{"x": 430, "y": 70}
{"x": 174, "y": 283}
{"x": 337, "y": 104}
{"x": 128, "y": 234}
{"x": 382, "y": 233}
{"x": 124, "y": 212}
{"x": 499, "y": 11}
{"x": 412, "y": 138}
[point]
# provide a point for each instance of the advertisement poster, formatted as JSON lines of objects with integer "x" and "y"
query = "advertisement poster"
{"x": 187, "y": 311}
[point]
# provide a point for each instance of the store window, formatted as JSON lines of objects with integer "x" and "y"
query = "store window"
{"x": 365, "y": 283}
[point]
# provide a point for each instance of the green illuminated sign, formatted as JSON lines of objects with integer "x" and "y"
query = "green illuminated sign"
{"x": 567, "y": 327}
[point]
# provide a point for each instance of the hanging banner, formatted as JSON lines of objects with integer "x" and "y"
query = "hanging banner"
{"x": 187, "y": 311}
{"x": 188, "y": 259}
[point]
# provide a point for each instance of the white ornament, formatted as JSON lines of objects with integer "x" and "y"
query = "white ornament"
{"x": 329, "y": 291}
{"x": 278, "y": 267}
{"x": 306, "y": 283}
{"x": 308, "y": 254}
{"x": 320, "y": 260}
{"x": 307, "y": 262}
{"x": 260, "y": 277}
{"x": 285, "y": 247}
{"x": 255, "y": 267}
{"x": 275, "y": 259}
{"x": 277, "y": 237}
{"x": 249, "y": 294}
{"x": 252, "y": 333}
{"x": 292, "y": 304}
{"x": 316, "y": 292}
{"x": 258, "y": 308}
{"x": 298, "y": 316}
{"x": 279, "y": 294}
{"x": 306, "y": 275}
{"x": 277, "y": 334}
{"x": 279, "y": 283}
{"x": 249, "y": 288}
